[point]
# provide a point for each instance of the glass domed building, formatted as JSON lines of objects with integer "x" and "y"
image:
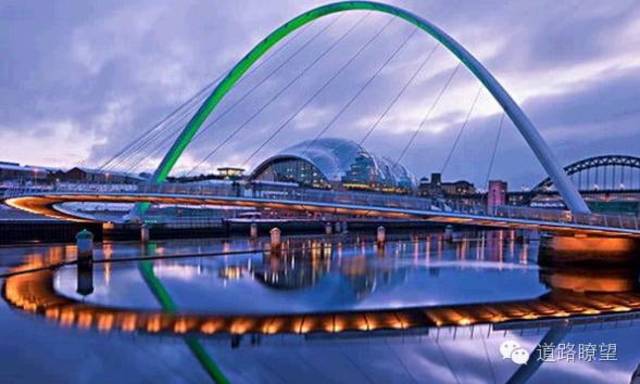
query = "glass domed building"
{"x": 332, "y": 163}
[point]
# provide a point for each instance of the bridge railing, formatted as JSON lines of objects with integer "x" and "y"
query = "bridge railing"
{"x": 356, "y": 198}
{"x": 237, "y": 190}
{"x": 367, "y": 199}
{"x": 562, "y": 216}
{"x": 25, "y": 190}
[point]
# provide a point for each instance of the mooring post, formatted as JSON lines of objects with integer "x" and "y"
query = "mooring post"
{"x": 253, "y": 230}
{"x": 381, "y": 235}
{"x": 276, "y": 239}
{"x": 328, "y": 228}
{"x": 84, "y": 243}
{"x": 448, "y": 232}
{"x": 144, "y": 233}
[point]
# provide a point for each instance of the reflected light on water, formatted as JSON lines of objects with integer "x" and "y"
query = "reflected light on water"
{"x": 34, "y": 293}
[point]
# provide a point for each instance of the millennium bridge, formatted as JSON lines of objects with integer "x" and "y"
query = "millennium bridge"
{"x": 51, "y": 204}
{"x": 30, "y": 287}
{"x": 577, "y": 221}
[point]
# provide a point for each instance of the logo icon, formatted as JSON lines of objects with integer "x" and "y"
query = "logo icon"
{"x": 510, "y": 349}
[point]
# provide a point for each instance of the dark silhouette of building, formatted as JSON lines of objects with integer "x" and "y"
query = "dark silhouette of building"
{"x": 437, "y": 188}
{"x": 88, "y": 175}
{"x": 16, "y": 172}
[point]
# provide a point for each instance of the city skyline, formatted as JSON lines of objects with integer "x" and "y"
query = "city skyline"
{"x": 97, "y": 75}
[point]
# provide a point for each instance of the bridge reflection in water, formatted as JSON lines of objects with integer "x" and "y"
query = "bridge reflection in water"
{"x": 574, "y": 296}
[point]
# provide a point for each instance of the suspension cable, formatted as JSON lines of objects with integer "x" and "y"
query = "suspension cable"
{"x": 139, "y": 143}
{"x": 399, "y": 94}
{"x": 269, "y": 75}
{"x": 280, "y": 92}
{"x": 427, "y": 115}
{"x": 495, "y": 149}
{"x": 139, "y": 150}
{"x": 158, "y": 124}
{"x": 461, "y": 130}
{"x": 359, "y": 92}
{"x": 308, "y": 101}
{"x": 163, "y": 144}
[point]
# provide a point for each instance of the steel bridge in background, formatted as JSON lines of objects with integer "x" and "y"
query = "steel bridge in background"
{"x": 600, "y": 179}
{"x": 606, "y": 173}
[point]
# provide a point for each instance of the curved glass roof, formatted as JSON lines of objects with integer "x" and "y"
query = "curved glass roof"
{"x": 343, "y": 160}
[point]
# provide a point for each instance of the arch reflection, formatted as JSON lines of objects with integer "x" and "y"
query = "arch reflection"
{"x": 573, "y": 294}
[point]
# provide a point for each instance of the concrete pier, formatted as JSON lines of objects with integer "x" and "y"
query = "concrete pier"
{"x": 584, "y": 250}
{"x": 584, "y": 279}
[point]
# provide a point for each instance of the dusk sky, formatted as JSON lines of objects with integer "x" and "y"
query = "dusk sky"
{"x": 79, "y": 80}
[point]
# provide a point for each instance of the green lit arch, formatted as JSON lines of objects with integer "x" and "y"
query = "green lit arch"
{"x": 541, "y": 149}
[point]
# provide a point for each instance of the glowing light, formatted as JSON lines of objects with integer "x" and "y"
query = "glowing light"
{"x": 153, "y": 324}
{"x": 182, "y": 325}
{"x": 128, "y": 322}
{"x": 211, "y": 327}
{"x": 67, "y": 317}
{"x": 465, "y": 321}
{"x": 34, "y": 292}
{"x": 105, "y": 322}
{"x": 84, "y": 319}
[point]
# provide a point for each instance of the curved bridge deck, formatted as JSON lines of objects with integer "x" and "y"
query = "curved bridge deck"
{"x": 47, "y": 203}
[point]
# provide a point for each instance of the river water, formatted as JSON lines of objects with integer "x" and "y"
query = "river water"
{"x": 80, "y": 342}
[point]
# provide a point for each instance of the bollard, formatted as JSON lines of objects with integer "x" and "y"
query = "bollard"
{"x": 253, "y": 231}
{"x": 328, "y": 228}
{"x": 381, "y": 235}
{"x": 84, "y": 243}
{"x": 337, "y": 227}
{"x": 448, "y": 232}
{"x": 276, "y": 240}
{"x": 144, "y": 233}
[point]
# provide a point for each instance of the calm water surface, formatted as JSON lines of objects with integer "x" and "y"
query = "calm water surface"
{"x": 315, "y": 274}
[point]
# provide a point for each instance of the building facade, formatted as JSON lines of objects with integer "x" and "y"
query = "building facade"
{"x": 24, "y": 173}
{"x": 437, "y": 188}
{"x": 88, "y": 175}
{"x": 496, "y": 194}
{"x": 332, "y": 163}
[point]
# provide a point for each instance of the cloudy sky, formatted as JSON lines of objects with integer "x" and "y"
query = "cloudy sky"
{"x": 80, "y": 80}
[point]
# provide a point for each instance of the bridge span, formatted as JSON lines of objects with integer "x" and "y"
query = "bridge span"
{"x": 49, "y": 203}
